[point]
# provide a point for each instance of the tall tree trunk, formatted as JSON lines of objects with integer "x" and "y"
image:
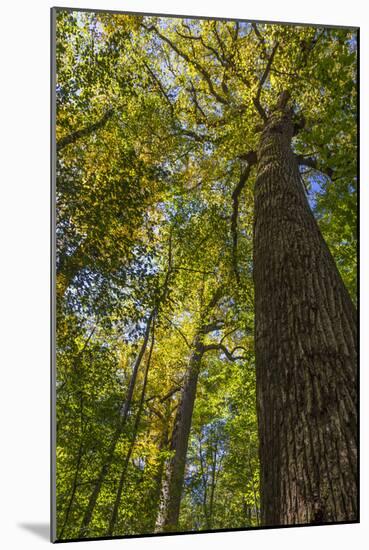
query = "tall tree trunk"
{"x": 174, "y": 470}
{"x": 305, "y": 343}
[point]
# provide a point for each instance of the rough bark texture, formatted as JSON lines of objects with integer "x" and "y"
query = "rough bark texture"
{"x": 305, "y": 343}
{"x": 172, "y": 483}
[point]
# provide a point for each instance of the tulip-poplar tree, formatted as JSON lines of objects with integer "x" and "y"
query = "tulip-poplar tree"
{"x": 206, "y": 274}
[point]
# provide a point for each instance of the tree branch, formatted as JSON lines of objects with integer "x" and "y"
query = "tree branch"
{"x": 207, "y": 46}
{"x": 312, "y": 162}
{"x": 260, "y": 38}
{"x": 180, "y": 268}
{"x": 196, "y": 64}
{"x": 221, "y": 43}
{"x": 227, "y": 353}
{"x": 256, "y": 99}
{"x": 213, "y": 301}
{"x": 87, "y": 130}
{"x": 195, "y": 100}
{"x": 160, "y": 86}
{"x": 228, "y": 334}
{"x": 210, "y": 327}
{"x": 178, "y": 330}
{"x": 251, "y": 160}
{"x": 170, "y": 393}
{"x": 196, "y": 137}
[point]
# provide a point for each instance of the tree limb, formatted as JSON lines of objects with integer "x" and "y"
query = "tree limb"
{"x": 260, "y": 38}
{"x": 220, "y": 42}
{"x": 227, "y": 353}
{"x": 165, "y": 397}
{"x": 207, "y": 46}
{"x": 213, "y": 301}
{"x": 311, "y": 162}
{"x": 86, "y": 131}
{"x": 170, "y": 393}
{"x": 181, "y": 268}
{"x": 196, "y": 64}
{"x": 160, "y": 86}
{"x": 196, "y": 137}
{"x": 228, "y": 334}
{"x": 251, "y": 160}
{"x": 256, "y": 99}
{"x": 195, "y": 100}
{"x": 178, "y": 330}
{"x": 210, "y": 327}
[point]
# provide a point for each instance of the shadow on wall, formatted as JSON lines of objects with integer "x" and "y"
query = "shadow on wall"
{"x": 42, "y": 530}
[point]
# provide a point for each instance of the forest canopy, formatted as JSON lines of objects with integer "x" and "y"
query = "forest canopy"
{"x": 164, "y": 145}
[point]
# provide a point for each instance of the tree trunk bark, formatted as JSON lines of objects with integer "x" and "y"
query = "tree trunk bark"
{"x": 174, "y": 470}
{"x": 305, "y": 344}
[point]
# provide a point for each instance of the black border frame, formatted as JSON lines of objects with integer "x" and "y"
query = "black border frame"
{"x": 53, "y": 157}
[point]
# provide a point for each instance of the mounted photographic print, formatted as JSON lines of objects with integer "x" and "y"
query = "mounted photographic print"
{"x": 204, "y": 213}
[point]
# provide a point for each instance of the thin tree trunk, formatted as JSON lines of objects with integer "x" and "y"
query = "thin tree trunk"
{"x": 163, "y": 446}
{"x": 127, "y": 403}
{"x": 305, "y": 343}
{"x": 73, "y": 491}
{"x": 204, "y": 480}
{"x": 174, "y": 471}
{"x": 76, "y": 366}
{"x": 173, "y": 477}
{"x": 213, "y": 484}
{"x": 249, "y": 515}
{"x": 122, "y": 421}
{"x": 256, "y": 501}
{"x": 122, "y": 479}
{"x": 251, "y": 470}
